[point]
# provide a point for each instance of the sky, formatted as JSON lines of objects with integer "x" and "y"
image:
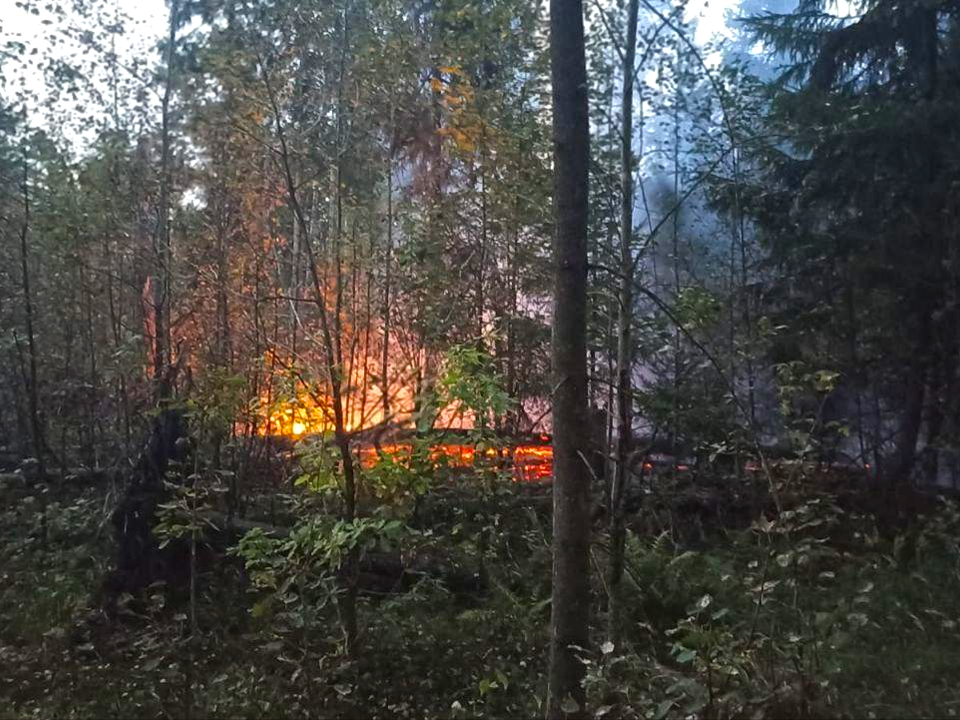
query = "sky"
{"x": 147, "y": 19}
{"x": 45, "y": 35}
{"x": 28, "y": 22}
{"x": 711, "y": 18}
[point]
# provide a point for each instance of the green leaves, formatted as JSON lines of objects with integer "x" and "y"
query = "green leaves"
{"x": 469, "y": 379}
{"x": 314, "y": 550}
{"x": 697, "y": 308}
{"x": 401, "y": 476}
{"x": 321, "y": 466}
{"x": 179, "y": 518}
{"x": 499, "y": 681}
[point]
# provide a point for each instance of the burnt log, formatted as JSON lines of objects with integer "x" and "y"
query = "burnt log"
{"x": 140, "y": 561}
{"x": 83, "y": 477}
{"x": 378, "y": 573}
{"x": 9, "y": 460}
{"x": 381, "y": 572}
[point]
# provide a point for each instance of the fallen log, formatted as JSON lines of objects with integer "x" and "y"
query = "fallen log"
{"x": 140, "y": 560}
{"x": 378, "y": 572}
{"x": 235, "y": 527}
{"x": 395, "y": 571}
{"x": 9, "y": 460}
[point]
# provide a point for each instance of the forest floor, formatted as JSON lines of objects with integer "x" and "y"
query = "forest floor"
{"x": 811, "y": 612}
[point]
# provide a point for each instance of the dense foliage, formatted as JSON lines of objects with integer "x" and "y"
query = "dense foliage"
{"x": 278, "y": 284}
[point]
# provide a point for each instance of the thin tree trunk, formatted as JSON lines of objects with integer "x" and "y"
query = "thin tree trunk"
{"x": 906, "y": 451}
{"x": 744, "y": 277}
{"x": 162, "y": 248}
{"x": 387, "y": 270}
{"x": 484, "y": 244}
{"x": 938, "y": 388}
{"x": 331, "y": 342}
{"x": 674, "y": 397}
{"x": 624, "y": 336}
{"x": 36, "y": 422}
{"x": 91, "y": 446}
{"x": 349, "y": 599}
{"x": 571, "y": 487}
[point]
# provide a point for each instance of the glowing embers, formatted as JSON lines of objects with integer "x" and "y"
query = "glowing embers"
{"x": 453, "y": 455}
{"x": 369, "y": 456}
{"x": 529, "y": 463}
{"x": 532, "y": 463}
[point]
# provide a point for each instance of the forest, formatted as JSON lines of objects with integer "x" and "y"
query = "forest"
{"x": 479, "y": 359}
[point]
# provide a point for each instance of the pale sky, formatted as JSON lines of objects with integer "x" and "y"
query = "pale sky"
{"x": 48, "y": 36}
{"x": 153, "y": 13}
{"x": 144, "y": 23}
{"x": 711, "y": 16}
{"x": 147, "y": 19}
{"x": 28, "y": 21}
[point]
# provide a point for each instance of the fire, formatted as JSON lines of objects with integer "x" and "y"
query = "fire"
{"x": 307, "y": 414}
{"x": 298, "y": 409}
{"x": 533, "y": 463}
{"x": 530, "y": 463}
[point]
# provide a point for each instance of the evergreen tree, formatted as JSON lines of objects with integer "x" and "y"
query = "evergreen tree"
{"x": 856, "y": 207}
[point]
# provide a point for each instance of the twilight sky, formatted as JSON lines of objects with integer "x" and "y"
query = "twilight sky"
{"x": 28, "y": 22}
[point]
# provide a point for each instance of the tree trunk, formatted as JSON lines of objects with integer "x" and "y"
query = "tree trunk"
{"x": 36, "y": 423}
{"x": 571, "y": 487}
{"x": 329, "y": 327}
{"x": 348, "y": 600}
{"x": 624, "y": 335}
{"x": 387, "y": 262}
{"x": 906, "y": 452}
{"x": 162, "y": 249}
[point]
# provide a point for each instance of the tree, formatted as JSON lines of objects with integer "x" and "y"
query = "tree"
{"x": 625, "y": 307}
{"x": 867, "y": 258}
{"x": 163, "y": 248}
{"x": 30, "y": 378}
{"x": 571, "y": 486}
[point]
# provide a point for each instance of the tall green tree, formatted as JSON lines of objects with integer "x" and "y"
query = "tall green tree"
{"x": 857, "y": 209}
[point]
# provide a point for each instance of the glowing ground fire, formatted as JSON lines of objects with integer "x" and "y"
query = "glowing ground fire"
{"x": 527, "y": 462}
{"x": 530, "y": 460}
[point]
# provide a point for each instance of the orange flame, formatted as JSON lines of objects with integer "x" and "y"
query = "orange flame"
{"x": 531, "y": 463}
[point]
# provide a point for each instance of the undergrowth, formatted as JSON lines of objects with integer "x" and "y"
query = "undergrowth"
{"x": 810, "y": 613}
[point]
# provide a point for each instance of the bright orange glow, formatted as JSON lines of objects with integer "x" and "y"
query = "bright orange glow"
{"x": 531, "y": 463}
{"x": 292, "y": 417}
{"x": 453, "y": 454}
{"x": 297, "y": 409}
{"x": 307, "y": 410}
{"x": 305, "y": 414}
